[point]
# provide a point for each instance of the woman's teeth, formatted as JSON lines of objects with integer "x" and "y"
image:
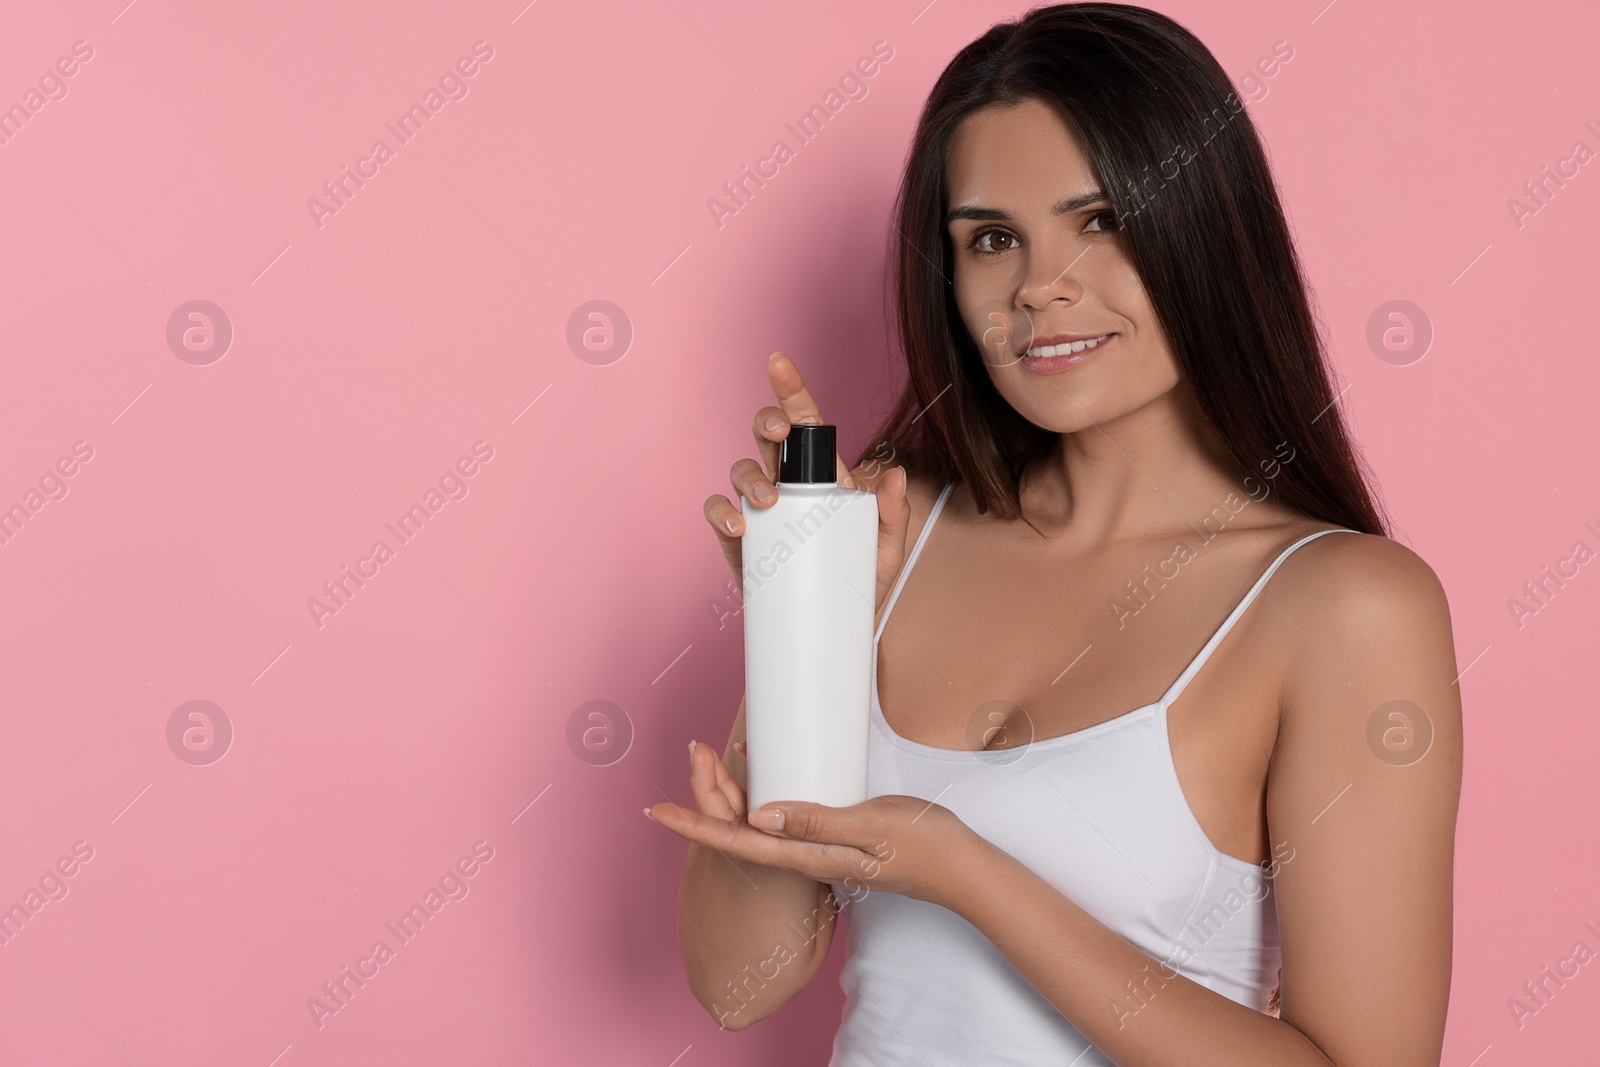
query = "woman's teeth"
{"x": 1046, "y": 351}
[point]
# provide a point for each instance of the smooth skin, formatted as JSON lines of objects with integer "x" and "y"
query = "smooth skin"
{"x": 1287, "y": 743}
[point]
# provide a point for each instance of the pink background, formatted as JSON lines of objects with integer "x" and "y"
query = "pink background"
{"x": 370, "y": 353}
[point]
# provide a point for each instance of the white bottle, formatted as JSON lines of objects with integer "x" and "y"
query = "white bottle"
{"x": 810, "y": 582}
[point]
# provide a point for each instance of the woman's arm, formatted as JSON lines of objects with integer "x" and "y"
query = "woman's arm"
{"x": 764, "y": 929}
{"x": 1364, "y": 785}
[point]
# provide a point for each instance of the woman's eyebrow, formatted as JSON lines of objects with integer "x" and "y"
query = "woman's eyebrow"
{"x": 991, "y": 214}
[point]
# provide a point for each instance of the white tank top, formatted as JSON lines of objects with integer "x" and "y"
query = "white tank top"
{"x": 1098, "y": 813}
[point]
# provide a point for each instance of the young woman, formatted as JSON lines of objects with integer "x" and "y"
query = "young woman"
{"x": 1120, "y": 480}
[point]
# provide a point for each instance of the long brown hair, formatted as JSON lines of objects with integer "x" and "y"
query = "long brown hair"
{"x": 1206, "y": 232}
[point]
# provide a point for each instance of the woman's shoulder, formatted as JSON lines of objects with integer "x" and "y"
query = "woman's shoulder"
{"x": 1370, "y": 670}
{"x": 1350, "y": 567}
{"x": 1356, "y": 592}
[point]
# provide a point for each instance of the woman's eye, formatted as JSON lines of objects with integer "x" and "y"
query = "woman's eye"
{"x": 976, "y": 244}
{"x": 1109, "y": 223}
{"x": 1100, "y": 222}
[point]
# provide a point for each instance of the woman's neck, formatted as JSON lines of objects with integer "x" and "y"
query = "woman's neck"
{"x": 1149, "y": 472}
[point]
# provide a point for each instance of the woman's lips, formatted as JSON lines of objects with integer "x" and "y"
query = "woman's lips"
{"x": 1057, "y": 364}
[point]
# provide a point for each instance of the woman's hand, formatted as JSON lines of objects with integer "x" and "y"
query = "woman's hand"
{"x": 899, "y": 844}
{"x": 754, "y": 480}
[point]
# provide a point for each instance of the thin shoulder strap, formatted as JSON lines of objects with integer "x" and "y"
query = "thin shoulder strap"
{"x": 1227, "y": 624}
{"x": 916, "y": 550}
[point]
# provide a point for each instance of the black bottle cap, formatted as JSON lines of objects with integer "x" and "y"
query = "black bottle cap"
{"x": 808, "y": 454}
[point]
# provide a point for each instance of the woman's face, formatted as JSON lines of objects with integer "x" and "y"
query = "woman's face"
{"x": 1038, "y": 257}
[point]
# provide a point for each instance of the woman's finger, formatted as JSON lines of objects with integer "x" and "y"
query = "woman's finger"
{"x": 731, "y": 789}
{"x": 694, "y": 826}
{"x": 752, "y": 483}
{"x": 825, "y": 862}
{"x": 727, "y": 523}
{"x": 871, "y": 470}
{"x": 798, "y": 405}
{"x": 769, "y": 429}
{"x": 704, "y": 769}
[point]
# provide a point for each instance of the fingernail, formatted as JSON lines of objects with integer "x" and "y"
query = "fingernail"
{"x": 774, "y": 356}
{"x": 773, "y": 423}
{"x": 731, "y": 523}
{"x": 767, "y": 819}
{"x": 691, "y": 755}
{"x": 765, "y": 493}
{"x": 647, "y": 815}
